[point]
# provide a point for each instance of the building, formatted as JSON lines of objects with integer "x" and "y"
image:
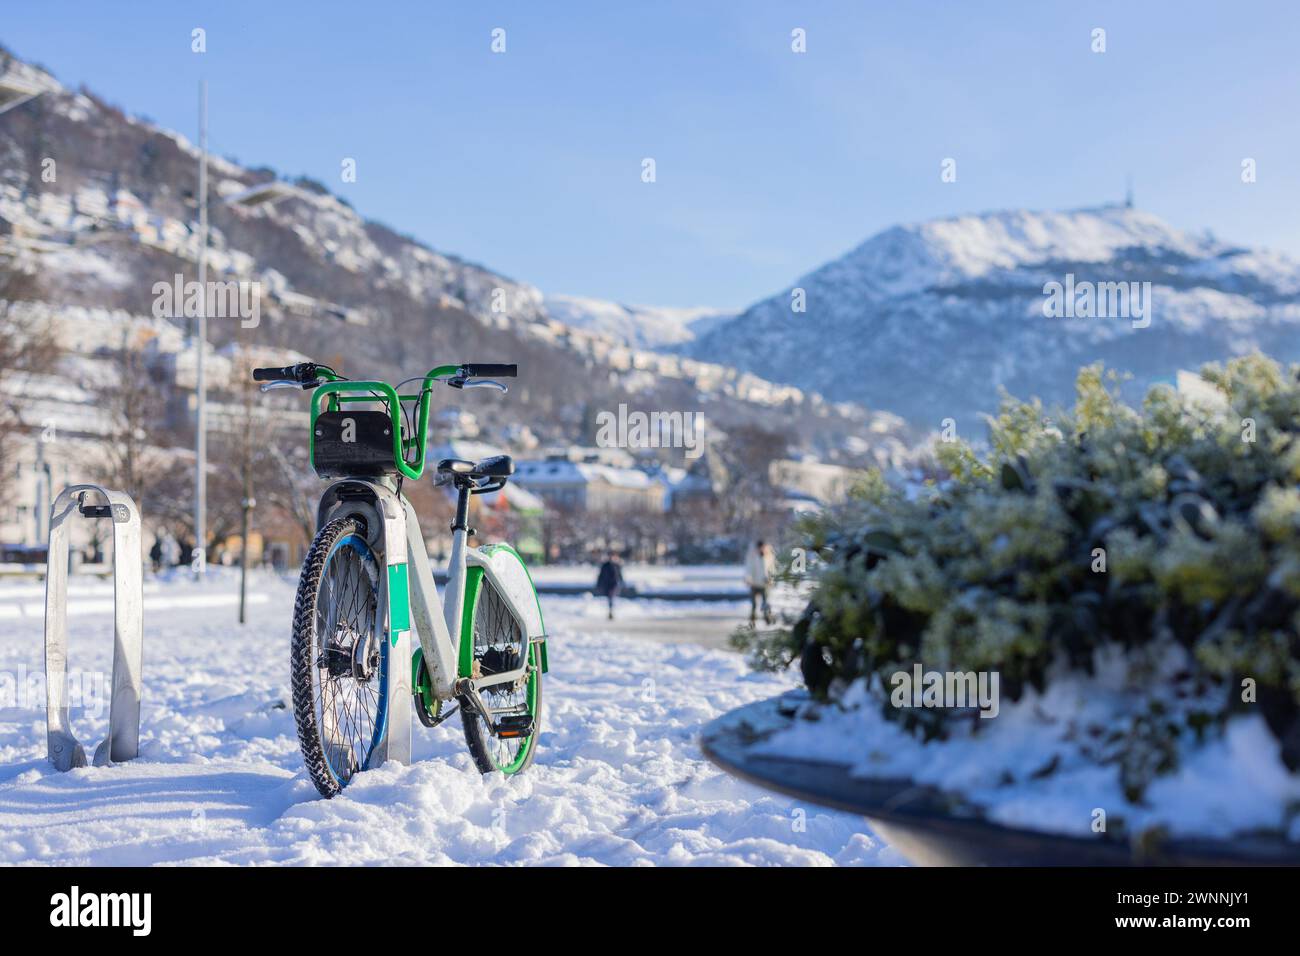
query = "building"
{"x": 455, "y": 422}
{"x": 617, "y": 457}
{"x": 590, "y": 486}
{"x": 699, "y": 484}
{"x": 513, "y": 515}
{"x": 809, "y": 480}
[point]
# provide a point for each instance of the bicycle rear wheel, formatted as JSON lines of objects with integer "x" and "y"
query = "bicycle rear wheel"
{"x": 338, "y": 658}
{"x": 494, "y": 642}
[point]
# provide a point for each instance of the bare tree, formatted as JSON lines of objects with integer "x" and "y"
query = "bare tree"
{"x": 27, "y": 347}
{"x": 286, "y": 482}
{"x": 261, "y": 459}
{"x": 133, "y": 400}
{"x": 695, "y": 524}
{"x": 751, "y": 504}
{"x": 565, "y": 532}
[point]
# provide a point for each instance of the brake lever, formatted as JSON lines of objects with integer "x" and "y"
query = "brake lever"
{"x": 485, "y": 383}
{"x": 287, "y": 383}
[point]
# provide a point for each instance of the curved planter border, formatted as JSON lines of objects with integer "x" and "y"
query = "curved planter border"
{"x": 932, "y": 828}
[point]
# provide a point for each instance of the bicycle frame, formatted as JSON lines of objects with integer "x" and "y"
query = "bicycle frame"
{"x": 409, "y": 598}
{"x": 365, "y": 498}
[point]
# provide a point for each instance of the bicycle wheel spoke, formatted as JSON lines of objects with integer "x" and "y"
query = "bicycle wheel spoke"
{"x": 495, "y": 629}
{"x": 345, "y": 679}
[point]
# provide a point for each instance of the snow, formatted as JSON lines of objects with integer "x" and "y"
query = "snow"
{"x": 619, "y": 778}
{"x": 640, "y": 326}
{"x": 563, "y": 472}
{"x": 1265, "y": 266}
{"x": 944, "y": 252}
{"x": 81, "y": 265}
{"x": 1029, "y": 767}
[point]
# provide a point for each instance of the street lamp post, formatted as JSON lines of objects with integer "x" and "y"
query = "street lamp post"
{"x": 249, "y": 503}
{"x": 44, "y": 489}
{"x": 199, "y": 557}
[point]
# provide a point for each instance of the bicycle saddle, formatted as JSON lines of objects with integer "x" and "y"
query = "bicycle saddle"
{"x": 494, "y": 466}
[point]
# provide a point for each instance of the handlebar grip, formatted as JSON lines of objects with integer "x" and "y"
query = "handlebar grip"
{"x": 284, "y": 374}
{"x": 302, "y": 373}
{"x": 490, "y": 370}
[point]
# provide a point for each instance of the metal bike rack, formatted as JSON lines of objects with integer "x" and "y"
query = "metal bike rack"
{"x": 123, "y": 741}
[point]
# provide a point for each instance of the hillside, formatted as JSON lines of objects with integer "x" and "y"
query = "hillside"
{"x": 118, "y": 216}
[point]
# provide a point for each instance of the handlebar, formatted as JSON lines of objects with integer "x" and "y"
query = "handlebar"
{"x": 307, "y": 373}
{"x": 332, "y": 391}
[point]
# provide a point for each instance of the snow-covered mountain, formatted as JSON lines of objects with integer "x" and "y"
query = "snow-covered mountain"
{"x": 930, "y": 320}
{"x": 641, "y": 326}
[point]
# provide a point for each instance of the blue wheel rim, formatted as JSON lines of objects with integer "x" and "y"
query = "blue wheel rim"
{"x": 358, "y": 544}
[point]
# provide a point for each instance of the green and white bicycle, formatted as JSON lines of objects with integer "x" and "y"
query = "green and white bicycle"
{"x": 366, "y": 584}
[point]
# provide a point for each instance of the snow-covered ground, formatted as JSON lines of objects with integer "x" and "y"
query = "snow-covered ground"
{"x": 619, "y": 778}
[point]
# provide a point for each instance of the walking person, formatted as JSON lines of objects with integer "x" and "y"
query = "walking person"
{"x": 171, "y": 551}
{"x": 610, "y": 580}
{"x": 760, "y": 565}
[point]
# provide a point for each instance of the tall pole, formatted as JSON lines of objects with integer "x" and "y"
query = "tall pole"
{"x": 245, "y": 529}
{"x": 199, "y": 558}
{"x": 44, "y": 485}
{"x": 247, "y": 504}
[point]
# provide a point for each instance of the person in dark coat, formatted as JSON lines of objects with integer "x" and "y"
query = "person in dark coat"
{"x": 610, "y": 580}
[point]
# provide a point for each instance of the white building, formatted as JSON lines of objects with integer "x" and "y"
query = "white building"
{"x": 803, "y": 480}
{"x": 590, "y": 486}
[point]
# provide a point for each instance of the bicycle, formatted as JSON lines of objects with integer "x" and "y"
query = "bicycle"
{"x": 366, "y": 584}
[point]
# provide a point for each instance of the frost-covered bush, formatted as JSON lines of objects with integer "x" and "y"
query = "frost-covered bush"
{"x": 1106, "y": 526}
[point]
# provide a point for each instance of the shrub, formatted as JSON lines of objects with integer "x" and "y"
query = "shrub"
{"x": 1102, "y": 527}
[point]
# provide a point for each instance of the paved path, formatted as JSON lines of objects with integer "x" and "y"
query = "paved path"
{"x": 705, "y": 626}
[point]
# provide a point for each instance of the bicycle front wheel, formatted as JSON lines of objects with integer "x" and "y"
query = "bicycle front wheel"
{"x": 339, "y": 658}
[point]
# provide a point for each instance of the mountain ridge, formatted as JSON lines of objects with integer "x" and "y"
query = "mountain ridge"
{"x": 930, "y": 320}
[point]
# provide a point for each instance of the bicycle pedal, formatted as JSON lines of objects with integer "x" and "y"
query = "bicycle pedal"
{"x": 514, "y": 726}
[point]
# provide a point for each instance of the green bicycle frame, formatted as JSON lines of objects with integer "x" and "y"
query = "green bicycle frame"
{"x": 339, "y": 392}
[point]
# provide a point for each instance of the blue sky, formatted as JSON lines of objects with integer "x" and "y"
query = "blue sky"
{"x": 768, "y": 162}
